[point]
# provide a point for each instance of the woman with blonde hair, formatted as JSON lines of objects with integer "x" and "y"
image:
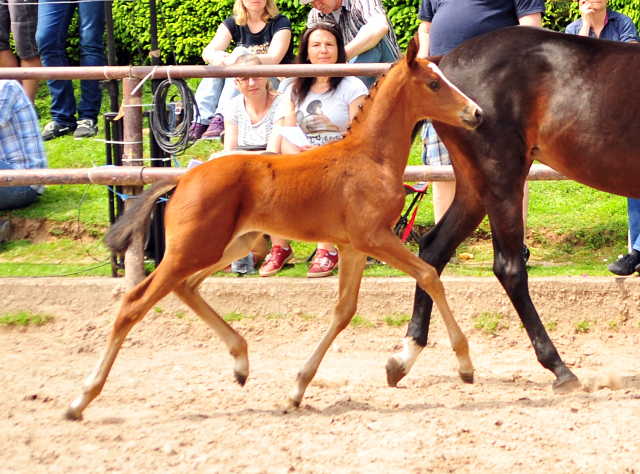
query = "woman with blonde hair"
{"x": 256, "y": 27}
{"x": 249, "y": 121}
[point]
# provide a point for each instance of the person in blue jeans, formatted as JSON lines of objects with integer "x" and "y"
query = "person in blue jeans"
{"x": 599, "y": 21}
{"x": 368, "y": 33}
{"x": 53, "y": 25}
{"x": 21, "y": 146}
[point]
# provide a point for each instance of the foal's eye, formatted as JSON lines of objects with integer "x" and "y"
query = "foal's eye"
{"x": 434, "y": 86}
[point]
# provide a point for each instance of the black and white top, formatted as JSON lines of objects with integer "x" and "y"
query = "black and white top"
{"x": 353, "y": 15}
{"x": 250, "y": 134}
{"x": 259, "y": 42}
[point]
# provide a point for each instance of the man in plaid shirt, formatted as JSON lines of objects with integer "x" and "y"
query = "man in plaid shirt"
{"x": 368, "y": 33}
{"x": 21, "y": 145}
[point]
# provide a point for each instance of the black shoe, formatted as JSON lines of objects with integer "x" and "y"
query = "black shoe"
{"x": 54, "y": 130}
{"x": 526, "y": 253}
{"x": 624, "y": 266}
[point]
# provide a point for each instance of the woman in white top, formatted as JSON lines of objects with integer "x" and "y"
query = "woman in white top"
{"x": 249, "y": 120}
{"x": 250, "y": 117}
{"x": 322, "y": 107}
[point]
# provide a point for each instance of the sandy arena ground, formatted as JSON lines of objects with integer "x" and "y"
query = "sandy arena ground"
{"x": 171, "y": 403}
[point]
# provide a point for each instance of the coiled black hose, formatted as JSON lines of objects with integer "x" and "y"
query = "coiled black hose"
{"x": 171, "y": 136}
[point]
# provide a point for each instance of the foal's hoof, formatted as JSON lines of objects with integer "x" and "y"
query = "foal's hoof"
{"x": 466, "y": 377}
{"x": 395, "y": 371}
{"x": 567, "y": 385}
{"x": 292, "y": 404}
{"x": 240, "y": 378}
{"x": 70, "y": 414}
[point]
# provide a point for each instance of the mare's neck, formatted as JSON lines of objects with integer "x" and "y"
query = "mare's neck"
{"x": 385, "y": 124}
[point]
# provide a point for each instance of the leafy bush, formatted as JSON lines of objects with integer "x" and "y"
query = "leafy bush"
{"x": 185, "y": 27}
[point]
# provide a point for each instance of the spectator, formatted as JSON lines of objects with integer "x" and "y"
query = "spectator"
{"x": 446, "y": 24}
{"x": 599, "y": 21}
{"x": 21, "y": 146}
{"x": 249, "y": 120}
{"x": 53, "y": 24}
{"x": 256, "y": 25}
{"x": 20, "y": 17}
{"x": 322, "y": 107}
{"x": 367, "y": 31}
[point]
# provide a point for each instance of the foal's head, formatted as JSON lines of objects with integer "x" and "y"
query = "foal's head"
{"x": 433, "y": 96}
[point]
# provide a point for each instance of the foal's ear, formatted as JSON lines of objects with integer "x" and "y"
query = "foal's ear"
{"x": 412, "y": 51}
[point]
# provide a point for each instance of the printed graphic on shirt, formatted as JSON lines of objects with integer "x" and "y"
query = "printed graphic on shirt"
{"x": 259, "y": 48}
{"x": 317, "y": 126}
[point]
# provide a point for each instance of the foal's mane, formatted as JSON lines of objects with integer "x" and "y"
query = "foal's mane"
{"x": 369, "y": 98}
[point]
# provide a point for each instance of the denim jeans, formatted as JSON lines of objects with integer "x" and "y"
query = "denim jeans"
{"x": 380, "y": 53}
{"x": 13, "y": 197}
{"x": 51, "y": 35}
{"x": 633, "y": 206}
{"x": 214, "y": 93}
{"x": 212, "y": 96}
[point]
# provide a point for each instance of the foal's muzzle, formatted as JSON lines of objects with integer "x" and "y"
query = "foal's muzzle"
{"x": 471, "y": 115}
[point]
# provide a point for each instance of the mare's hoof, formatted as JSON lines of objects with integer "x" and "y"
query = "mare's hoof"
{"x": 395, "y": 372}
{"x": 240, "y": 378}
{"x": 466, "y": 377}
{"x": 72, "y": 415}
{"x": 568, "y": 385}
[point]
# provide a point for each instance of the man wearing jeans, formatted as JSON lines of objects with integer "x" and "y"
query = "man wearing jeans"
{"x": 54, "y": 19}
{"x": 368, "y": 33}
{"x": 20, "y": 144}
{"x": 20, "y": 18}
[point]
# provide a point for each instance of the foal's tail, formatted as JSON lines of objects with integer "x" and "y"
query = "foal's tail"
{"x": 136, "y": 218}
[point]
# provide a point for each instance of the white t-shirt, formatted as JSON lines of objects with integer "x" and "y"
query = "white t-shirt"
{"x": 324, "y": 117}
{"x": 250, "y": 134}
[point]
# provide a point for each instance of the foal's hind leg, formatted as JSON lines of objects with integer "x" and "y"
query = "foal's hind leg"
{"x": 352, "y": 265}
{"x": 135, "y": 305}
{"x": 187, "y": 291}
{"x": 390, "y": 249}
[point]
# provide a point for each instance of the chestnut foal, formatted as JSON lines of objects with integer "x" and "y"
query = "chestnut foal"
{"x": 349, "y": 192}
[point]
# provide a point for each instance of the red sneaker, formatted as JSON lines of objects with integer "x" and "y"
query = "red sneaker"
{"x": 275, "y": 261}
{"x": 323, "y": 264}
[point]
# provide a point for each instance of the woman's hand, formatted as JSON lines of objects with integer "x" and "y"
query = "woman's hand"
{"x": 220, "y": 154}
{"x": 304, "y": 148}
{"x": 586, "y": 11}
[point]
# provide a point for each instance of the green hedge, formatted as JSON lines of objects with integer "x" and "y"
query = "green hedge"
{"x": 189, "y": 25}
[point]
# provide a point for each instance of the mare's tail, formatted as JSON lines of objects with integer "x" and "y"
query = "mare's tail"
{"x": 136, "y": 218}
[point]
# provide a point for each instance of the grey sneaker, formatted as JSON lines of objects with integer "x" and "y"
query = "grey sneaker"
{"x": 54, "y": 130}
{"x": 86, "y": 128}
{"x": 5, "y": 231}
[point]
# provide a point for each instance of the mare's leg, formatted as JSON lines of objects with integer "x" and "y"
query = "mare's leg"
{"x": 509, "y": 267}
{"x": 436, "y": 249}
{"x": 187, "y": 291}
{"x": 385, "y": 245}
{"x": 351, "y": 267}
{"x": 135, "y": 304}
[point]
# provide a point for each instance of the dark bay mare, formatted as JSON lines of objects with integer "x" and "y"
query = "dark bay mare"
{"x": 569, "y": 102}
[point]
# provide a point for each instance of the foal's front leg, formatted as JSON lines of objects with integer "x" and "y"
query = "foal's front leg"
{"x": 390, "y": 249}
{"x": 351, "y": 268}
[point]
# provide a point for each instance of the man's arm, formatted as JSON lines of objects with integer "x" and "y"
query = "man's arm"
{"x": 535, "y": 19}
{"x": 369, "y": 35}
{"x": 423, "y": 37}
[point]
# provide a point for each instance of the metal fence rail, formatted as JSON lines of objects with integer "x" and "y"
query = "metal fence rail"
{"x": 141, "y": 175}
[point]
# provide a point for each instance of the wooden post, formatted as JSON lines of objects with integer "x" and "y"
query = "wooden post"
{"x": 132, "y": 156}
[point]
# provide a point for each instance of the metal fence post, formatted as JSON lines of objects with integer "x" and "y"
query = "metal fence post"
{"x": 132, "y": 156}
